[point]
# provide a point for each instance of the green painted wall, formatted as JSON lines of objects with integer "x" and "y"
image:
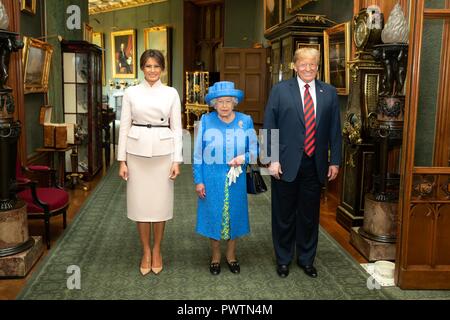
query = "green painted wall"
{"x": 56, "y": 25}
{"x": 54, "y": 11}
{"x": 242, "y": 23}
{"x": 139, "y": 18}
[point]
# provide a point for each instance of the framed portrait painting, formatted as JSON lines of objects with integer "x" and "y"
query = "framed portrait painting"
{"x": 37, "y": 56}
{"x": 272, "y": 14}
{"x": 87, "y": 32}
{"x": 123, "y": 54}
{"x": 159, "y": 38}
{"x": 337, "y": 45}
{"x": 28, "y": 6}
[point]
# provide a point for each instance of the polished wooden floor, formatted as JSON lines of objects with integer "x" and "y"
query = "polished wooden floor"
{"x": 10, "y": 288}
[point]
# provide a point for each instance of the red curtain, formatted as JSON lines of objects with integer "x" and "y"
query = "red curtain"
{"x": 129, "y": 49}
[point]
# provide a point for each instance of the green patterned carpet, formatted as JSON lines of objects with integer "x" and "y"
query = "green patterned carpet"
{"x": 104, "y": 244}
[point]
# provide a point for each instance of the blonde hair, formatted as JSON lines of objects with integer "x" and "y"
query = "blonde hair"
{"x": 307, "y": 52}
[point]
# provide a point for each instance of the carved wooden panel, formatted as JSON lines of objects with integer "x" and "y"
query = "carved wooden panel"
{"x": 247, "y": 68}
{"x": 442, "y": 254}
{"x": 253, "y": 89}
{"x": 421, "y": 226}
{"x": 275, "y": 63}
{"x": 253, "y": 61}
{"x": 233, "y": 61}
{"x": 236, "y": 78}
{"x": 287, "y": 51}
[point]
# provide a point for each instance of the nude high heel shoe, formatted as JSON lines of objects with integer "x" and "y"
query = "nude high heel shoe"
{"x": 157, "y": 270}
{"x": 145, "y": 271}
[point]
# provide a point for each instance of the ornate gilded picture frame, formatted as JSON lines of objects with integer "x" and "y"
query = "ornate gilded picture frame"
{"x": 272, "y": 14}
{"x": 160, "y": 38}
{"x": 98, "y": 38}
{"x": 337, "y": 46}
{"x": 123, "y": 54}
{"x": 87, "y": 32}
{"x": 28, "y": 6}
{"x": 37, "y": 56}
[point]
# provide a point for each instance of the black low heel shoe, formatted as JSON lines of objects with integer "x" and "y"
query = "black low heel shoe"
{"x": 214, "y": 268}
{"x": 234, "y": 266}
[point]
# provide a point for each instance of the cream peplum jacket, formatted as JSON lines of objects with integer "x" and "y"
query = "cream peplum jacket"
{"x": 155, "y": 105}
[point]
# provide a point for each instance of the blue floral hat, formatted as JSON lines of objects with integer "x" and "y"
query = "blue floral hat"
{"x": 223, "y": 89}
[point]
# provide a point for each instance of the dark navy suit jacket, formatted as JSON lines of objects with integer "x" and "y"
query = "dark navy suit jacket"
{"x": 284, "y": 111}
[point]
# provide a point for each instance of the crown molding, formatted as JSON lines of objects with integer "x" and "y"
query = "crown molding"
{"x": 96, "y": 7}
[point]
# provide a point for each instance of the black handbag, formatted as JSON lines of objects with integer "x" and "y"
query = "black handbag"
{"x": 255, "y": 182}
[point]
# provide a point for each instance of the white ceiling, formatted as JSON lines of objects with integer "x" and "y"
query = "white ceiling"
{"x": 98, "y": 6}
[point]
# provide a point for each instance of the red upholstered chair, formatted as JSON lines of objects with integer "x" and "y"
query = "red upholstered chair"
{"x": 37, "y": 187}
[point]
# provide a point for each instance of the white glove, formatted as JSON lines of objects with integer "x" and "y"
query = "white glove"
{"x": 233, "y": 173}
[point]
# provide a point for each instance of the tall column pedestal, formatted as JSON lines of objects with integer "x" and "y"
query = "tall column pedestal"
{"x": 18, "y": 251}
{"x": 372, "y": 250}
{"x": 376, "y": 238}
{"x": 18, "y": 265}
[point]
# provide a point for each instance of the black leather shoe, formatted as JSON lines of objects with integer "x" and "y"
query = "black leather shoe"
{"x": 234, "y": 266}
{"x": 283, "y": 270}
{"x": 214, "y": 268}
{"x": 309, "y": 270}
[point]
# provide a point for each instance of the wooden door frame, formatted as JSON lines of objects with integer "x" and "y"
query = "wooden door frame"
{"x": 422, "y": 276}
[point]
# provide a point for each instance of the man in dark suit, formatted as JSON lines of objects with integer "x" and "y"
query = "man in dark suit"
{"x": 306, "y": 113}
{"x": 123, "y": 60}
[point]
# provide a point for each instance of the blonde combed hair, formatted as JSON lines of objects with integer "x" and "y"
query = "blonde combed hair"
{"x": 306, "y": 52}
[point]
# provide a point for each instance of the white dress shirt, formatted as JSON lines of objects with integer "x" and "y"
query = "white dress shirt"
{"x": 312, "y": 92}
{"x": 155, "y": 105}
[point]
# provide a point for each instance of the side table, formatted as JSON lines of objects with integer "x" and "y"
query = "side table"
{"x": 61, "y": 161}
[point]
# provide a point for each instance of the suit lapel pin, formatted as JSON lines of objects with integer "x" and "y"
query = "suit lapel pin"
{"x": 321, "y": 90}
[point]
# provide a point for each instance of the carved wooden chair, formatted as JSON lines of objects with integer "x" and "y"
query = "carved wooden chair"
{"x": 36, "y": 185}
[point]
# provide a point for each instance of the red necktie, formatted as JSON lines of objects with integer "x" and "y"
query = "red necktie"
{"x": 310, "y": 123}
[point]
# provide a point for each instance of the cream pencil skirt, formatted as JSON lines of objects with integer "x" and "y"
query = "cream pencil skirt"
{"x": 149, "y": 189}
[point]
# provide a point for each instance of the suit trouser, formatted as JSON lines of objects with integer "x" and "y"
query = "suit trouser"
{"x": 295, "y": 215}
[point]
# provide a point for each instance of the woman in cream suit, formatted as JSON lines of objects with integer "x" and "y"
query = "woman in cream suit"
{"x": 149, "y": 154}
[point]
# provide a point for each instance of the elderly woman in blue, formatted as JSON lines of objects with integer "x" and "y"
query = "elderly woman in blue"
{"x": 225, "y": 143}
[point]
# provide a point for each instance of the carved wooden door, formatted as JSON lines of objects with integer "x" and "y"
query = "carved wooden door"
{"x": 423, "y": 249}
{"x": 247, "y": 68}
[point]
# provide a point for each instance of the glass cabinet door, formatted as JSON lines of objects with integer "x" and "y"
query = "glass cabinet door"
{"x": 76, "y": 104}
{"x": 82, "y": 69}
